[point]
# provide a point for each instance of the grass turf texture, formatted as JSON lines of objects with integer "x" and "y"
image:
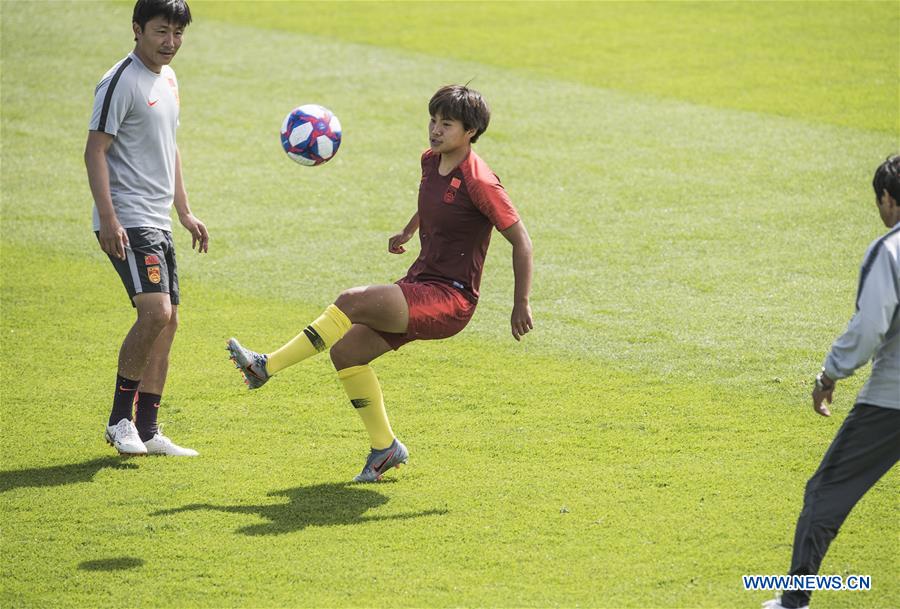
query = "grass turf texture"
{"x": 800, "y": 59}
{"x": 646, "y": 446}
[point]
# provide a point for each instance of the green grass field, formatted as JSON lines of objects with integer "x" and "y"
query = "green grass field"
{"x": 696, "y": 180}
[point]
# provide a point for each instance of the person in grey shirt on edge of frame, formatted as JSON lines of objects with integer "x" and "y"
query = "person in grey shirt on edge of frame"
{"x": 868, "y": 443}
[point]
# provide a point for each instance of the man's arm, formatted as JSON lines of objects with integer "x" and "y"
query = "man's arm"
{"x": 877, "y": 302}
{"x": 395, "y": 243}
{"x": 113, "y": 237}
{"x": 198, "y": 231}
{"x": 520, "y": 320}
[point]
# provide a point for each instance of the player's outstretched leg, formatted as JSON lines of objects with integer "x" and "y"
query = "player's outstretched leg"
{"x": 318, "y": 336}
{"x": 381, "y": 307}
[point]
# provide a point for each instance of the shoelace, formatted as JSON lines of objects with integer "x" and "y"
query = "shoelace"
{"x": 129, "y": 430}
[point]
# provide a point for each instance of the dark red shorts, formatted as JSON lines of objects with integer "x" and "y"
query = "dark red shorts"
{"x": 436, "y": 310}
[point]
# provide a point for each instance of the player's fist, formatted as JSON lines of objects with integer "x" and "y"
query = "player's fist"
{"x": 395, "y": 243}
{"x": 521, "y": 321}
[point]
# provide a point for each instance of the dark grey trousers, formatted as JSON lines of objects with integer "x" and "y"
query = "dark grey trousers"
{"x": 866, "y": 446}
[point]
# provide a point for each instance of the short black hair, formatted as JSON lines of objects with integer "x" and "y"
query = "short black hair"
{"x": 887, "y": 177}
{"x": 460, "y": 103}
{"x": 175, "y": 11}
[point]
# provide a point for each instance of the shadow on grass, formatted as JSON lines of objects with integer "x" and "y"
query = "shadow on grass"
{"x": 112, "y": 564}
{"x": 321, "y": 505}
{"x": 58, "y": 475}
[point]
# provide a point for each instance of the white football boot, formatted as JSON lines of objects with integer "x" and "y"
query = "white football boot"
{"x": 161, "y": 445}
{"x": 124, "y": 437}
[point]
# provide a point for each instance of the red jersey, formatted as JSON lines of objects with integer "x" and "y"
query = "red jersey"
{"x": 456, "y": 215}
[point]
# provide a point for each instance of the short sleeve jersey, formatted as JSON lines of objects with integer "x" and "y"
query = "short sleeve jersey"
{"x": 457, "y": 213}
{"x": 139, "y": 108}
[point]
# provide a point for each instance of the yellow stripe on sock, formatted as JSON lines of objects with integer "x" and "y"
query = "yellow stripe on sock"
{"x": 318, "y": 336}
{"x": 364, "y": 391}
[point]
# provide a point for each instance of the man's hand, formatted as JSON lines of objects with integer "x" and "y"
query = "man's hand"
{"x": 823, "y": 394}
{"x": 819, "y": 400}
{"x": 197, "y": 229}
{"x": 113, "y": 238}
{"x": 520, "y": 320}
{"x": 395, "y": 243}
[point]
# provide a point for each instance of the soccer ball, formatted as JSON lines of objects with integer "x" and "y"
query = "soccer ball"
{"x": 311, "y": 134}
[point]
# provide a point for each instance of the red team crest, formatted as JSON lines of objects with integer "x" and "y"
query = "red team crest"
{"x": 152, "y": 263}
{"x": 450, "y": 195}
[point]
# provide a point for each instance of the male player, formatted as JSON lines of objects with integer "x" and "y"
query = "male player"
{"x": 134, "y": 170}
{"x": 461, "y": 201}
{"x": 868, "y": 443}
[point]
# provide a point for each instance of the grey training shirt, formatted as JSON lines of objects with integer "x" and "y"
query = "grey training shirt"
{"x": 875, "y": 327}
{"x": 139, "y": 108}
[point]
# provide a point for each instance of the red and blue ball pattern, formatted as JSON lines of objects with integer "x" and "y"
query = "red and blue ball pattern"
{"x": 311, "y": 134}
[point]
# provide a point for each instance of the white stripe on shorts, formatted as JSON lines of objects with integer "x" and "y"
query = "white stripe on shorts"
{"x": 132, "y": 264}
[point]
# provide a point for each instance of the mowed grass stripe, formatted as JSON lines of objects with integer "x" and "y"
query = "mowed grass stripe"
{"x": 655, "y": 223}
{"x": 540, "y": 482}
{"x": 815, "y": 61}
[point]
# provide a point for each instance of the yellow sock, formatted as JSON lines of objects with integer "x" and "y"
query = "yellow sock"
{"x": 364, "y": 391}
{"x": 326, "y": 330}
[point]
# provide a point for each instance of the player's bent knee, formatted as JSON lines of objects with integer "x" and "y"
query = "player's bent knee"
{"x": 348, "y": 300}
{"x": 352, "y": 303}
